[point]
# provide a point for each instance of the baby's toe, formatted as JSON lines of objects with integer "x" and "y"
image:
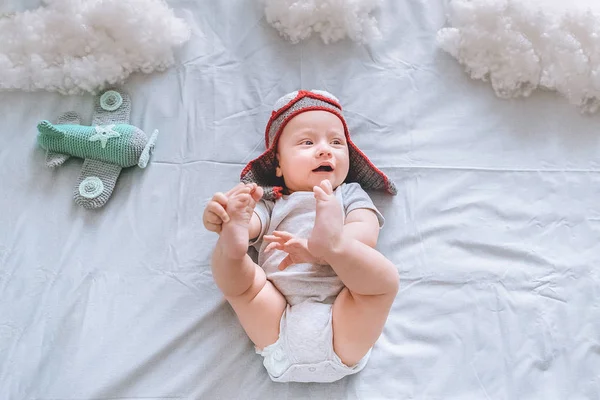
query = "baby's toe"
{"x": 326, "y": 186}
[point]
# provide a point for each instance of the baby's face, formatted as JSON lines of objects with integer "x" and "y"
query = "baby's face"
{"x": 311, "y": 148}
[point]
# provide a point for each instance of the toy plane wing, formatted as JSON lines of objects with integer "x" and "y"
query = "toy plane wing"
{"x": 96, "y": 183}
{"x": 113, "y": 107}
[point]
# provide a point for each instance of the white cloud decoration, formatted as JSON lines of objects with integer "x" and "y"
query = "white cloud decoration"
{"x": 332, "y": 20}
{"x": 522, "y": 45}
{"x": 77, "y": 46}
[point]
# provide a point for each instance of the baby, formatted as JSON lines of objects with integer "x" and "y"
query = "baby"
{"x": 319, "y": 297}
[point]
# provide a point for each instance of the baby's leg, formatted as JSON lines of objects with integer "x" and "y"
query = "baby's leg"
{"x": 362, "y": 307}
{"x": 257, "y": 303}
{"x": 358, "y": 321}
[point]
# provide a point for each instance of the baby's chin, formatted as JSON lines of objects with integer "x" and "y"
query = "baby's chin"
{"x": 334, "y": 180}
{"x": 308, "y": 187}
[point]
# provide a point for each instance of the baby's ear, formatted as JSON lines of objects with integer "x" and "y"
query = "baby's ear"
{"x": 278, "y": 172}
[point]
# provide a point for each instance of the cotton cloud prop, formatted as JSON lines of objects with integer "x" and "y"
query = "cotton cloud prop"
{"x": 333, "y": 20}
{"x": 522, "y": 45}
{"x": 76, "y": 46}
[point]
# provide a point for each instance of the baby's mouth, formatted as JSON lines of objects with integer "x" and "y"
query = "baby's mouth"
{"x": 323, "y": 168}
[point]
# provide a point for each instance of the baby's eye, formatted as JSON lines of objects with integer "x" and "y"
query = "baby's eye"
{"x": 337, "y": 141}
{"x": 307, "y": 142}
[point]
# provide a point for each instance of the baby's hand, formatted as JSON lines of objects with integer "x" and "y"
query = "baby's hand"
{"x": 214, "y": 213}
{"x": 297, "y": 249}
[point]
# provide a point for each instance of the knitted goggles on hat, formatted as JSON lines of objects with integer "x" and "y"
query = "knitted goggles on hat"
{"x": 262, "y": 170}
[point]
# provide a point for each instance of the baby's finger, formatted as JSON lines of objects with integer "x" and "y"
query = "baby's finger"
{"x": 283, "y": 234}
{"x": 294, "y": 243}
{"x": 270, "y": 247}
{"x": 218, "y": 210}
{"x": 213, "y": 218}
{"x": 286, "y": 262}
{"x": 274, "y": 239}
{"x": 213, "y": 227}
{"x": 220, "y": 198}
{"x": 273, "y": 246}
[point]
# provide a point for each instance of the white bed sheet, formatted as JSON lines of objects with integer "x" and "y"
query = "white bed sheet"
{"x": 495, "y": 229}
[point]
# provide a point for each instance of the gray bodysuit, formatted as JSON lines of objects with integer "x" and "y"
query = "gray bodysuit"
{"x": 304, "y": 351}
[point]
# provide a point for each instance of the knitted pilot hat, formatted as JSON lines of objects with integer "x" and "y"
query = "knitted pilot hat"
{"x": 262, "y": 170}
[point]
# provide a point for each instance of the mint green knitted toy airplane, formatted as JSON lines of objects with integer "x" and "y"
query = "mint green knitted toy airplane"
{"x": 107, "y": 146}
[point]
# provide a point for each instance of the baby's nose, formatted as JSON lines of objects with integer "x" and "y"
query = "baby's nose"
{"x": 324, "y": 151}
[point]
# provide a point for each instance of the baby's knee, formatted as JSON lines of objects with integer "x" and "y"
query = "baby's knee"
{"x": 395, "y": 282}
{"x": 259, "y": 281}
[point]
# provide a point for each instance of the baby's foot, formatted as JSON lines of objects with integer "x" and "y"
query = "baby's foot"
{"x": 329, "y": 222}
{"x": 235, "y": 234}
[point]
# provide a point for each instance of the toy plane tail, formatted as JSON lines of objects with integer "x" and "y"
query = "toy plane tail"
{"x": 46, "y": 128}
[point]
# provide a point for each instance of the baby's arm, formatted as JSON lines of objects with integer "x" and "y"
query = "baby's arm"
{"x": 361, "y": 224}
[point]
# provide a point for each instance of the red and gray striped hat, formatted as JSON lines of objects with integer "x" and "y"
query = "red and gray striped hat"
{"x": 262, "y": 170}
